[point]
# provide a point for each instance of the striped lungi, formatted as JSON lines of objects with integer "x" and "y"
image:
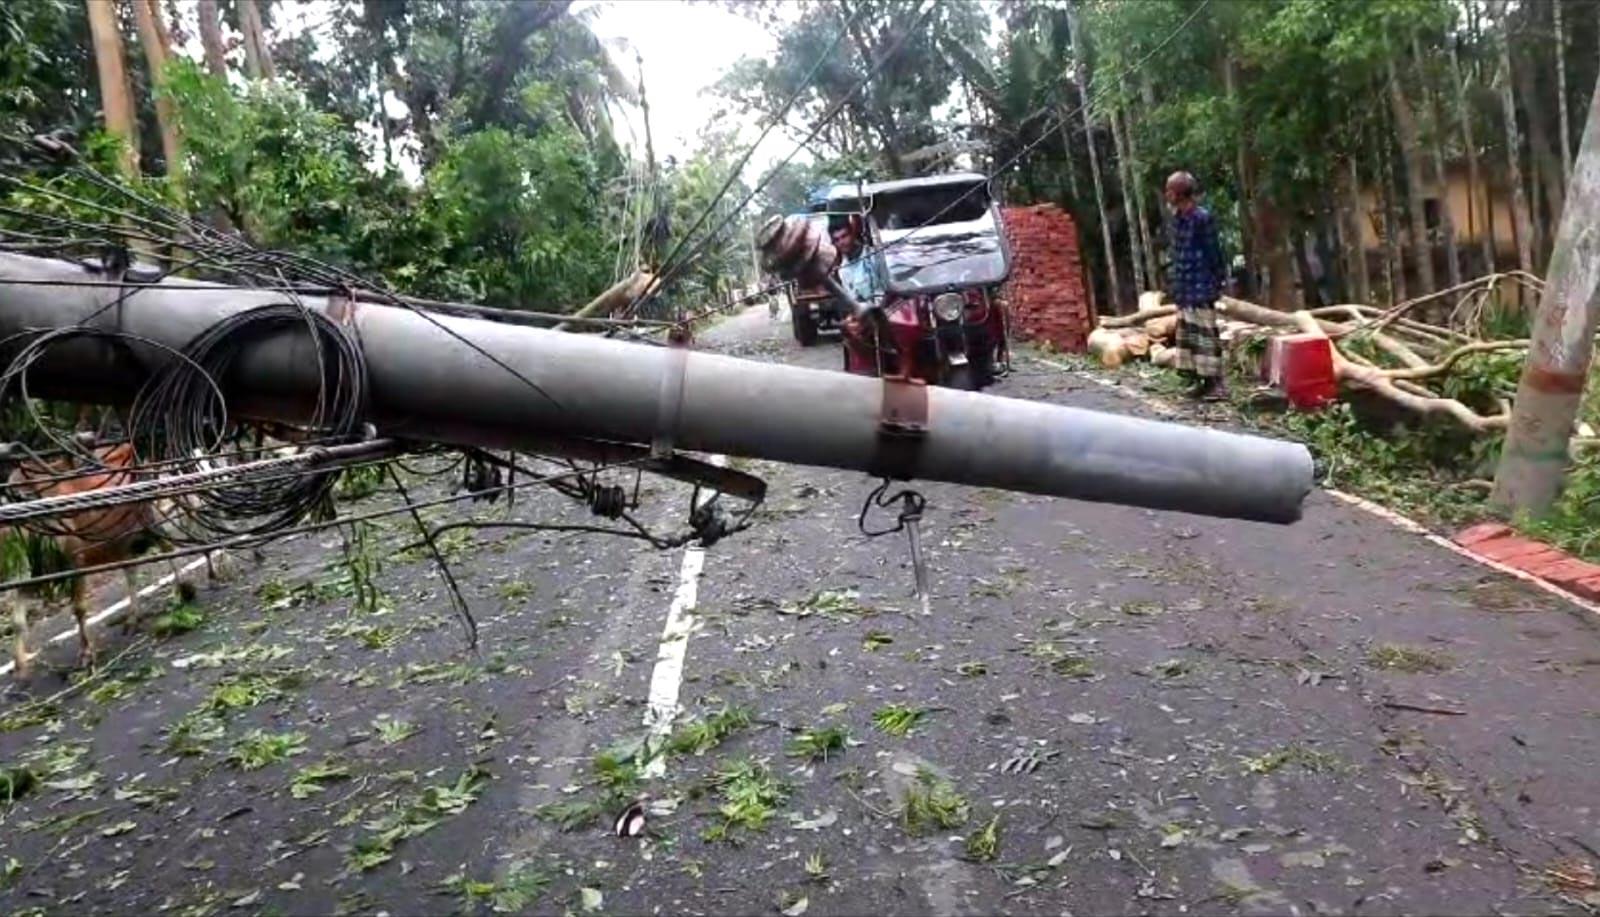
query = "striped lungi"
{"x": 1198, "y": 347}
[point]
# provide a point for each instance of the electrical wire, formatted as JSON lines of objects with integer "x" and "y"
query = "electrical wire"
{"x": 181, "y": 412}
{"x": 669, "y": 266}
{"x": 116, "y": 493}
{"x": 816, "y": 129}
{"x": 457, "y": 600}
{"x": 179, "y": 425}
{"x": 244, "y": 541}
{"x": 1044, "y": 133}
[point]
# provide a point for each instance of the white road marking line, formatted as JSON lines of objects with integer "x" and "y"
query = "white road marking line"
{"x": 666, "y": 680}
{"x": 115, "y": 607}
{"x": 1388, "y": 515}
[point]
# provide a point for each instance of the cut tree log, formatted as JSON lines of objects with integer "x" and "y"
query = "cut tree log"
{"x": 1106, "y": 344}
{"x": 1161, "y": 328}
{"x": 1138, "y": 318}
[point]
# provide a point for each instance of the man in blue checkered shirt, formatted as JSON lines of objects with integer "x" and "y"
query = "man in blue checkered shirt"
{"x": 1194, "y": 282}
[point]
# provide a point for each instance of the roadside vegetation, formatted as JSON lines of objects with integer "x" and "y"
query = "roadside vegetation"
{"x": 1430, "y": 470}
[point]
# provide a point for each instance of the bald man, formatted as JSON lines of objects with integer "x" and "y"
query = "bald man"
{"x": 1195, "y": 281}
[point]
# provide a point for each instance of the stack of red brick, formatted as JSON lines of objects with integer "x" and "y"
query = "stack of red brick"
{"x": 1499, "y": 543}
{"x": 1046, "y": 292}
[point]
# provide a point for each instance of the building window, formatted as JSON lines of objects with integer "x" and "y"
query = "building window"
{"x": 1431, "y": 212}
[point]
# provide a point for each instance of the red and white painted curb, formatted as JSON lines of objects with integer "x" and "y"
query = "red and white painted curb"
{"x": 1501, "y": 544}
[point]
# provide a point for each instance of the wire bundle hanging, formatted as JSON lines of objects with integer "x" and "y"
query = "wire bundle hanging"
{"x": 182, "y": 414}
{"x": 181, "y": 422}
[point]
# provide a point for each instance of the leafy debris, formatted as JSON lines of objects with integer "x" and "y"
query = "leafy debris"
{"x": 1409, "y": 659}
{"x": 700, "y": 736}
{"x": 1306, "y": 759}
{"x": 818, "y": 744}
{"x": 897, "y": 720}
{"x": 931, "y": 802}
{"x": 311, "y": 779}
{"x": 415, "y": 817}
{"x": 840, "y": 604}
{"x": 983, "y": 844}
{"x": 750, "y": 793}
{"x": 258, "y": 749}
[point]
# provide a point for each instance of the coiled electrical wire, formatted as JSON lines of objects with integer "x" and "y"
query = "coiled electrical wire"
{"x": 182, "y": 414}
{"x": 69, "y": 464}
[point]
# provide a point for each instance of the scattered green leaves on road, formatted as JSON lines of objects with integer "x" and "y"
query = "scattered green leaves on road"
{"x": 750, "y": 793}
{"x": 700, "y": 736}
{"x": 1410, "y": 659}
{"x": 1307, "y": 759}
{"x": 897, "y": 720}
{"x": 818, "y": 744}
{"x": 312, "y": 779}
{"x": 931, "y": 802}
{"x": 840, "y": 604}
{"x": 415, "y": 816}
{"x": 258, "y": 749}
{"x": 392, "y": 731}
{"x": 178, "y": 618}
{"x": 983, "y": 844}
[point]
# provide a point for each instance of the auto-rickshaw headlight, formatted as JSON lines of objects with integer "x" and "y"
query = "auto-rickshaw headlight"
{"x": 947, "y": 306}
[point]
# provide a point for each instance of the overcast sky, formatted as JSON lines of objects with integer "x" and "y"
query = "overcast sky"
{"x": 686, "y": 47}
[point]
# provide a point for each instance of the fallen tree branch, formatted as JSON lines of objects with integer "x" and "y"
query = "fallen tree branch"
{"x": 1379, "y": 383}
{"x": 1394, "y": 348}
{"x": 1485, "y": 283}
{"x": 1425, "y": 350}
{"x": 1428, "y": 371}
{"x": 1363, "y": 315}
{"x": 614, "y": 297}
{"x": 1423, "y": 708}
{"x": 1246, "y": 311}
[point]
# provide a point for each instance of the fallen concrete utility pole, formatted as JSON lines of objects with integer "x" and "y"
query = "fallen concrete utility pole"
{"x": 426, "y": 384}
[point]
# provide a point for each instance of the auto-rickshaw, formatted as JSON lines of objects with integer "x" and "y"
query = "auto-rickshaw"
{"x": 931, "y": 258}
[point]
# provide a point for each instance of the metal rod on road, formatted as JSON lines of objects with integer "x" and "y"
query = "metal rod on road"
{"x": 428, "y": 385}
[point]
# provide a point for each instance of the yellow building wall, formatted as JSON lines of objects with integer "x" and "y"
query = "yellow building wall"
{"x": 1455, "y": 197}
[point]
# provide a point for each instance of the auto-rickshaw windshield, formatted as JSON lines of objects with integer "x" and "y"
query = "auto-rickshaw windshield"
{"x": 930, "y": 205}
{"x": 939, "y": 237}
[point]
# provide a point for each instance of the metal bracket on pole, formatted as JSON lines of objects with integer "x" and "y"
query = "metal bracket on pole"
{"x": 342, "y": 309}
{"x": 902, "y": 426}
{"x": 669, "y": 406}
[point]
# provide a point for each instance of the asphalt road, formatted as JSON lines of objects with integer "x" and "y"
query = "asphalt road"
{"x": 1154, "y": 713}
